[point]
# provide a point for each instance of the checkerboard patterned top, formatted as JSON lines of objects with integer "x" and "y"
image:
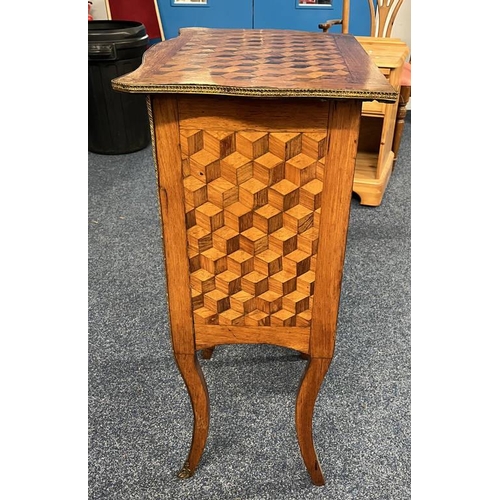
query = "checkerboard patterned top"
{"x": 274, "y": 63}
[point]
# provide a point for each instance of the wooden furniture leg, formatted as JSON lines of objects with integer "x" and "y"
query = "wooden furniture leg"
{"x": 404, "y": 97}
{"x": 163, "y": 115}
{"x": 343, "y": 127}
{"x": 306, "y": 398}
{"x": 198, "y": 393}
{"x": 207, "y": 352}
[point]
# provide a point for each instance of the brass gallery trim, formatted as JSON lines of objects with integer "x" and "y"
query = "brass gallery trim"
{"x": 256, "y": 91}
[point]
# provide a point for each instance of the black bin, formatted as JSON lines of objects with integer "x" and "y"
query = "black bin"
{"x": 118, "y": 123}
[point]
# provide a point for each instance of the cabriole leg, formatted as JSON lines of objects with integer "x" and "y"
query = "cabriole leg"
{"x": 306, "y": 398}
{"x": 194, "y": 379}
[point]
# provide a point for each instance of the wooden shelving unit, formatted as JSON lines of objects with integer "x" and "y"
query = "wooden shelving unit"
{"x": 375, "y": 159}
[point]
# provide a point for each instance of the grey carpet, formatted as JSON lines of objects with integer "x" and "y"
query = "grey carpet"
{"x": 140, "y": 417}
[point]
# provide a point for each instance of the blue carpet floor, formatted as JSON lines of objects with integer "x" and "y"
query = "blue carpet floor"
{"x": 140, "y": 417}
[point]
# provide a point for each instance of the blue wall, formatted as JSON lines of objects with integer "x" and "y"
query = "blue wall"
{"x": 260, "y": 14}
{"x": 284, "y": 14}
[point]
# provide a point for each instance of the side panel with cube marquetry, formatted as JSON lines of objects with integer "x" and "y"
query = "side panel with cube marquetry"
{"x": 251, "y": 195}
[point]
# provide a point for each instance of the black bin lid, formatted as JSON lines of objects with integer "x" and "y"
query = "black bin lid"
{"x": 116, "y": 31}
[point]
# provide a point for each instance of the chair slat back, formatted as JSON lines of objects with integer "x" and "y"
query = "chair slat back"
{"x": 383, "y": 16}
{"x": 346, "y": 5}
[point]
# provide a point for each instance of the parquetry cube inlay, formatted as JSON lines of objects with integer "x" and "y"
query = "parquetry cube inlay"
{"x": 253, "y": 205}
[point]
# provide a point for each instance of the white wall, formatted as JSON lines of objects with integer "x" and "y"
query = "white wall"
{"x": 402, "y": 28}
{"x": 98, "y": 11}
{"x": 402, "y": 24}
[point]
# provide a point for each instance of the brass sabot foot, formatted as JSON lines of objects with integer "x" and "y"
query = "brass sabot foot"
{"x": 185, "y": 472}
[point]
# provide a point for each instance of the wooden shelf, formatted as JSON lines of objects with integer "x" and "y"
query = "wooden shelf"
{"x": 373, "y": 108}
{"x": 369, "y": 184}
{"x": 375, "y": 158}
{"x": 366, "y": 166}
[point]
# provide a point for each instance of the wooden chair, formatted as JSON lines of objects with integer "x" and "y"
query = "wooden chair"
{"x": 344, "y": 22}
{"x": 382, "y": 19}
